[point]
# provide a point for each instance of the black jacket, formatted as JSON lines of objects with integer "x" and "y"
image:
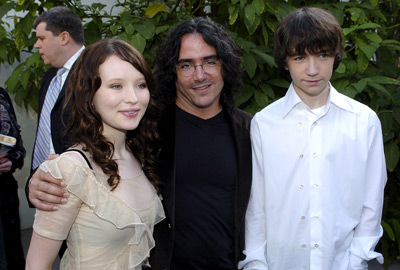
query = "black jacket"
{"x": 164, "y": 231}
{"x": 11, "y": 252}
{"x": 57, "y": 118}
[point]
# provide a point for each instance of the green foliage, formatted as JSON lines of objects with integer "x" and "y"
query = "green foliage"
{"x": 369, "y": 71}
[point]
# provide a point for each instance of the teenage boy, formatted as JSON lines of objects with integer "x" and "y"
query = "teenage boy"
{"x": 318, "y": 162}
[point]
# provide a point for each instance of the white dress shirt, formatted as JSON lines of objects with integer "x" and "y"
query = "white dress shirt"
{"x": 68, "y": 65}
{"x": 318, "y": 181}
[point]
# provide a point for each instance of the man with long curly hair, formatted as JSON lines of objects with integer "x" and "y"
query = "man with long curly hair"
{"x": 205, "y": 163}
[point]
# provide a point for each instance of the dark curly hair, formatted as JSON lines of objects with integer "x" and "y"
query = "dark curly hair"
{"x": 85, "y": 126}
{"x": 214, "y": 35}
{"x": 311, "y": 29}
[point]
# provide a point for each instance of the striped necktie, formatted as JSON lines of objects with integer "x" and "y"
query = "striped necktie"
{"x": 43, "y": 137}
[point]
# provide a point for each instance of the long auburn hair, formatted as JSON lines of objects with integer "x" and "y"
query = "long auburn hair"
{"x": 85, "y": 126}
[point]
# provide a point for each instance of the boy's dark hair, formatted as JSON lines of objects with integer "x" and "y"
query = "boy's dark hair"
{"x": 59, "y": 19}
{"x": 311, "y": 29}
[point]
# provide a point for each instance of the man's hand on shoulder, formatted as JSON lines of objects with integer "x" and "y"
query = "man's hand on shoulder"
{"x": 46, "y": 192}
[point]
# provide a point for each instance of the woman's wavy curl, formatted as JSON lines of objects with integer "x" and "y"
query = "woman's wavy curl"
{"x": 85, "y": 126}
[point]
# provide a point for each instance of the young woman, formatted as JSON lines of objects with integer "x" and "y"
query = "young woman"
{"x": 109, "y": 169}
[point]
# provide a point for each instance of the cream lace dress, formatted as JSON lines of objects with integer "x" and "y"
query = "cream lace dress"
{"x": 104, "y": 229}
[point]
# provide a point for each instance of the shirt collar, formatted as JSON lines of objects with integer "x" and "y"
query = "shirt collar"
{"x": 339, "y": 100}
{"x": 292, "y": 100}
{"x": 72, "y": 60}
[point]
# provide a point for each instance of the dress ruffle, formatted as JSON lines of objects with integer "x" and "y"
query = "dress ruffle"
{"x": 83, "y": 184}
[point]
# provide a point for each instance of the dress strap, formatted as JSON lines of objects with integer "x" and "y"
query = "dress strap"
{"x": 82, "y": 154}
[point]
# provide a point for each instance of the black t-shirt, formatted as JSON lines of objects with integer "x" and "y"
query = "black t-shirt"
{"x": 206, "y": 173}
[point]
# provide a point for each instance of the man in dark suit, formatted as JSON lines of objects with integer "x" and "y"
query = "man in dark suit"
{"x": 60, "y": 39}
{"x": 205, "y": 162}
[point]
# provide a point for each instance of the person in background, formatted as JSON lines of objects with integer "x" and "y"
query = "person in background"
{"x": 318, "y": 163}
{"x": 108, "y": 168}
{"x": 60, "y": 40}
{"x": 205, "y": 161}
{"x": 12, "y": 153}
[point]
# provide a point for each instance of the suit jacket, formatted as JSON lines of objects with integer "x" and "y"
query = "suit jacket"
{"x": 239, "y": 122}
{"x": 57, "y": 119}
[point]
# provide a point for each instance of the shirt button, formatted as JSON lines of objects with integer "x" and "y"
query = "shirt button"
{"x": 301, "y": 155}
{"x": 315, "y": 155}
{"x": 316, "y": 217}
{"x": 303, "y": 217}
{"x": 315, "y": 186}
{"x": 303, "y": 245}
{"x": 315, "y": 123}
{"x": 316, "y": 246}
{"x": 301, "y": 187}
{"x": 300, "y": 124}
{"x": 169, "y": 225}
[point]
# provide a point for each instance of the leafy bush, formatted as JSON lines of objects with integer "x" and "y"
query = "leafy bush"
{"x": 369, "y": 71}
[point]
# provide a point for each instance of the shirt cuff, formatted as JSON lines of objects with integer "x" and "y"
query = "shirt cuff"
{"x": 362, "y": 250}
{"x": 255, "y": 259}
{"x": 356, "y": 263}
{"x": 254, "y": 265}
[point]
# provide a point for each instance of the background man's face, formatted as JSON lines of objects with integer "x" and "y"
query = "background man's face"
{"x": 49, "y": 46}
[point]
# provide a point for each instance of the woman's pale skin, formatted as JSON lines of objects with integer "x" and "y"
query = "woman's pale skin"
{"x": 121, "y": 101}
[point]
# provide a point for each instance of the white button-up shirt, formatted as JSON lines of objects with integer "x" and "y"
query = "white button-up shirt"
{"x": 318, "y": 181}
